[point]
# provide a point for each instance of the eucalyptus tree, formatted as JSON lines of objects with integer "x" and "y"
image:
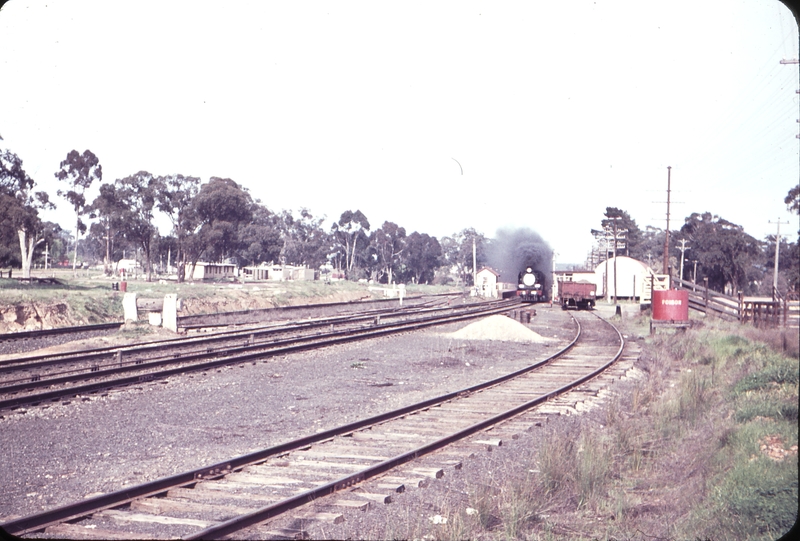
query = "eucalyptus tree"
{"x": 458, "y": 250}
{"x": 20, "y": 206}
{"x": 725, "y": 253}
{"x": 350, "y": 232}
{"x": 423, "y": 255}
{"x": 109, "y": 209}
{"x": 388, "y": 243}
{"x": 260, "y": 236}
{"x": 305, "y": 242}
{"x": 174, "y": 198}
{"x": 220, "y": 207}
{"x": 136, "y": 195}
{"x": 79, "y": 171}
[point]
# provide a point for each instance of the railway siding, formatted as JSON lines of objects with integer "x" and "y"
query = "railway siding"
{"x": 399, "y": 436}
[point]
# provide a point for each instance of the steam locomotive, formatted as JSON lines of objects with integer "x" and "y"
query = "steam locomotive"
{"x": 530, "y": 286}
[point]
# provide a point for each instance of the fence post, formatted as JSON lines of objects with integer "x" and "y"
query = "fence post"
{"x": 705, "y": 294}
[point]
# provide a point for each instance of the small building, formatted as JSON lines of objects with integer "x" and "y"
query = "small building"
{"x": 211, "y": 271}
{"x": 626, "y": 282}
{"x": 127, "y": 266}
{"x": 486, "y": 282}
{"x": 258, "y": 273}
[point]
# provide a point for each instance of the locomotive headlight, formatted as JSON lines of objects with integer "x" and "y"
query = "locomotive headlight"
{"x": 529, "y": 280}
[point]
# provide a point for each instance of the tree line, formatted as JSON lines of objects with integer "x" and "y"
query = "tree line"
{"x": 215, "y": 221}
{"x": 219, "y": 221}
{"x": 713, "y": 248}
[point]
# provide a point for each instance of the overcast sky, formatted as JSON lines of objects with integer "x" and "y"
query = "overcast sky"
{"x": 552, "y": 110}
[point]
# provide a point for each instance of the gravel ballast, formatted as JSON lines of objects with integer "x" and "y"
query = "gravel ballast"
{"x": 62, "y": 453}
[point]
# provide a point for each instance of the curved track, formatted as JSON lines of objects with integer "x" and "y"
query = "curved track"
{"x": 331, "y": 468}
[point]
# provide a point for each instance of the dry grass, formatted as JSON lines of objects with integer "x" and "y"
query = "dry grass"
{"x": 681, "y": 454}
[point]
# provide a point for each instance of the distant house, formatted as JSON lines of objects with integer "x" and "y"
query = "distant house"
{"x": 211, "y": 271}
{"x": 277, "y": 273}
{"x": 127, "y": 266}
{"x": 258, "y": 273}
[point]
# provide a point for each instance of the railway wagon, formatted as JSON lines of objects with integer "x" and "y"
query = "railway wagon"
{"x": 581, "y": 295}
{"x": 530, "y": 286}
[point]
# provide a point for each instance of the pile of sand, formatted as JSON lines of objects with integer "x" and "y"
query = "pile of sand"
{"x": 498, "y": 327}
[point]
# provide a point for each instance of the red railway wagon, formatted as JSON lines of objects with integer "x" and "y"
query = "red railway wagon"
{"x": 581, "y": 295}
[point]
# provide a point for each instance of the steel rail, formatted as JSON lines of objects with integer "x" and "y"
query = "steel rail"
{"x": 27, "y": 335}
{"x": 267, "y": 512}
{"x": 278, "y": 309}
{"x": 17, "y": 363}
{"x": 133, "y": 364}
{"x": 72, "y": 511}
{"x": 279, "y": 347}
{"x": 42, "y": 520}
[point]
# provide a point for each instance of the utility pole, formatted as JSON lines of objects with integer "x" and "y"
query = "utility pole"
{"x": 777, "y": 255}
{"x": 605, "y": 237}
{"x": 616, "y": 234}
{"x": 694, "y": 275}
{"x": 474, "y": 263}
{"x": 666, "y": 238}
{"x": 683, "y": 252}
{"x": 793, "y": 61}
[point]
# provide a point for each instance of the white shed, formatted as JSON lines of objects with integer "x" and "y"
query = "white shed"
{"x": 487, "y": 282}
{"x": 630, "y": 276}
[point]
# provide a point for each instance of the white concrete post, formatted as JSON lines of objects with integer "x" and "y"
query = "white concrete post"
{"x": 129, "y": 307}
{"x": 169, "y": 313}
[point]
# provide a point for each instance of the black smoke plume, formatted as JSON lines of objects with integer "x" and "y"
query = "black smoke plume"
{"x": 511, "y": 250}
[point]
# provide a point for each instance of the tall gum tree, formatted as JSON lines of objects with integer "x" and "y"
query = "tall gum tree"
{"x": 352, "y": 228}
{"x": 19, "y": 207}
{"x": 79, "y": 171}
{"x": 108, "y": 208}
{"x": 137, "y": 196}
{"x": 389, "y": 242}
{"x": 174, "y": 198}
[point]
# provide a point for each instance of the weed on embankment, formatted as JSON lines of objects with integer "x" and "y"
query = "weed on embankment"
{"x": 702, "y": 446}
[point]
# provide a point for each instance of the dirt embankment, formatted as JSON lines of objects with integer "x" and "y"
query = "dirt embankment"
{"x": 72, "y": 310}
{"x": 245, "y": 301}
{"x": 35, "y": 316}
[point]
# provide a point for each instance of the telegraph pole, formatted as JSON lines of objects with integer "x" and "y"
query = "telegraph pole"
{"x": 777, "y": 255}
{"x": 793, "y": 61}
{"x": 474, "y": 263}
{"x": 666, "y": 238}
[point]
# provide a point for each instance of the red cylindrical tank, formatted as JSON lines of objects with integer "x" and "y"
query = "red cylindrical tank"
{"x": 671, "y": 305}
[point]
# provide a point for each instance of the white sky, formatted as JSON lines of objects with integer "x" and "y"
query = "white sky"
{"x": 554, "y": 110}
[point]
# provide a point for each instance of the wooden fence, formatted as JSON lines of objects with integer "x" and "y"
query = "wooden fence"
{"x": 759, "y": 311}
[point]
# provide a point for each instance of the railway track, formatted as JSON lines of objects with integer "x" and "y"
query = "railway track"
{"x": 38, "y": 379}
{"x": 352, "y": 466}
{"x": 20, "y": 342}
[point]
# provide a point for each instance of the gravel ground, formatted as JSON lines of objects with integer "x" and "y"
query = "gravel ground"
{"x": 59, "y": 454}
